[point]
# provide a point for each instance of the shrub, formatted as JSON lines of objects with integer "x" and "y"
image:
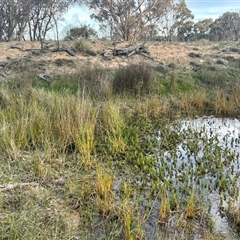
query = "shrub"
{"x": 83, "y": 45}
{"x": 134, "y": 79}
{"x": 194, "y": 55}
{"x": 90, "y": 52}
{"x": 90, "y": 81}
{"x": 213, "y": 77}
{"x": 84, "y": 31}
{"x": 64, "y": 62}
{"x": 96, "y": 82}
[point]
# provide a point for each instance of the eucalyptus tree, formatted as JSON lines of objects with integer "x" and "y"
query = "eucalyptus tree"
{"x": 175, "y": 19}
{"x": 44, "y": 16}
{"x": 14, "y": 15}
{"x": 226, "y": 27}
{"x": 30, "y": 18}
{"x": 202, "y": 28}
{"x": 186, "y": 31}
{"x": 127, "y": 19}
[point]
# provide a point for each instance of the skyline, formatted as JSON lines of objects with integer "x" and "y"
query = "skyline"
{"x": 201, "y": 9}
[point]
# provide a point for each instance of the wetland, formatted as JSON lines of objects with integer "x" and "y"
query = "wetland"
{"x": 131, "y": 152}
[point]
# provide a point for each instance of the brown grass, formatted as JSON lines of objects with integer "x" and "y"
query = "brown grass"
{"x": 161, "y": 52}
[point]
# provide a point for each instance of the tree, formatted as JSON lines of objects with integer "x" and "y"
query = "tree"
{"x": 185, "y": 31}
{"x": 83, "y": 31}
{"x": 202, "y": 28}
{"x": 13, "y": 19}
{"x": 183, "y": 18}
{"x": 43, "y": 17}
{"x": 226, "y": 27}
{"x": 36, "y": 16}
{"x": 127, "y": 19}
{"x": 172, "y": 22}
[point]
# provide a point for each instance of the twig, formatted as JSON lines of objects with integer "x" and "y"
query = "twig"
{"x": 44, "y": 77}
{"x": 145, "y": 55}
{"x": 4, "y": 75}
{"x": 16, "y": 47}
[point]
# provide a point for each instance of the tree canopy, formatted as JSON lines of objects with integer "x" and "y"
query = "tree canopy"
{"x": 128, "y": 20}
{"x": 226, "y": 27}
{"x": 83, "y": 31}
{"x": 34, "y": 18}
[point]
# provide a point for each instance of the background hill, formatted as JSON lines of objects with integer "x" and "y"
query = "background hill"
{"x": 18, "y": 57}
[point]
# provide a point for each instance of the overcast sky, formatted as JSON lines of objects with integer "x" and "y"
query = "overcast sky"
{"x": 201, "y": 9}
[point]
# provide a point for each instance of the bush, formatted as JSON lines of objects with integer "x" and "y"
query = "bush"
{"x": 91, "y": 81}
{"x": 134, "y": 79}
{"x": 96, "y": 82}
{"x": 83, "y": 45}
{"x": 83, "y": 31}
{"x": 194, "y": 55}
{"x": 213, "y": 77}
{"x": 64, "y": 62}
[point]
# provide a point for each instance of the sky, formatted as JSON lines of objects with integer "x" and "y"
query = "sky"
{"x": 201, "y": 9}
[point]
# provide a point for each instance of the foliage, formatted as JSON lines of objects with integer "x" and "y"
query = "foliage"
{"x": 128, "y": 19}
{"x": 181, "y": 18}
{"x": 210, "y": 76}
{"x": 84, "y": 31}
{"x": 82, "y": 45}
{"x": 226, "y": 27}
{"x": 110, "y": 168}
{"x": 38, "y": 17}
{"x": 122, "y": 20}
{"x": 134, "y": 79}
{"x": 202, "y": 28}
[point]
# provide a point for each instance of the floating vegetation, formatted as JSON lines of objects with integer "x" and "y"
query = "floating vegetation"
{"x": 196, "y": 159}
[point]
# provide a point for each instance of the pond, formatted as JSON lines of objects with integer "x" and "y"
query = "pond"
{"x": 227, "y": 134}
{"x": 198, "y": 165}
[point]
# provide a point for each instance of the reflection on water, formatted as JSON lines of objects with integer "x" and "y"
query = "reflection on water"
{"x": 191, "y": 156}
{"x": 228, "y": 137}
{"x": 227, "y": 130}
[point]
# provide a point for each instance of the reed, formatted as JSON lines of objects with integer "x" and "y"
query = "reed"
{"x": 112, "y": 125}
{"x": 191, "y": 205}
{"x": 104, "y": 198}
{"x": 164, "y": 207}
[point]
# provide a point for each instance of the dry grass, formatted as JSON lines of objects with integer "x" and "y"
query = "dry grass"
{"x": 163, "y": 52}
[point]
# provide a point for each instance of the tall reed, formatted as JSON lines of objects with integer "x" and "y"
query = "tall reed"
{"x": 111, "y": 124}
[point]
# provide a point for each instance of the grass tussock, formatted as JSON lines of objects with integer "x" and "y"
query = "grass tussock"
{"x": 227, "y": 103}
{"x": 135, "y": 79}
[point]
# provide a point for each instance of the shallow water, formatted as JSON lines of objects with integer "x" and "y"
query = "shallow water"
{"x": 193, "y": 154}
{"x": 228, "y": 133}
{"x": 207, "y": 152}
